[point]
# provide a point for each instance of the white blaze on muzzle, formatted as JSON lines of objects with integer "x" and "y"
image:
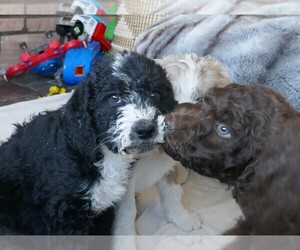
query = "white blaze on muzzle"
{"x": 130, "y": 114}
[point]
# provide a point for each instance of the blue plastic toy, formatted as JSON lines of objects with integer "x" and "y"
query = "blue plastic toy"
{"x": 78, "y": 62}
{"x": 47, "y": 68}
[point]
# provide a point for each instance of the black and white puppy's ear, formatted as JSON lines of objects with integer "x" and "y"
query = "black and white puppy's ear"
{"x": 80, "y": 118}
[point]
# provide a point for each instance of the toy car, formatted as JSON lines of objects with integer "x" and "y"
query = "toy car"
{"x": 44, "y": 60}
{"x": 78, "y": 62}
{"x": 92, "y": 26}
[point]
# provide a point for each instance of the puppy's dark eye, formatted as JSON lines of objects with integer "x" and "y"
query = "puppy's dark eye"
{"x": 115, "y": 99}
{"x": 223, "y": 130}
{"x": 155, "y": 95}
{"x": 198, "y": 99}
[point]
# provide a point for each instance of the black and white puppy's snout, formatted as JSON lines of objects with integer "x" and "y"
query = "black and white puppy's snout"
{"x": 140, "y": 128}
{"x": 144, "y": 129}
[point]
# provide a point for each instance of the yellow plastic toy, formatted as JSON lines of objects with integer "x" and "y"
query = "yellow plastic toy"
{"x": 54, "y": 90}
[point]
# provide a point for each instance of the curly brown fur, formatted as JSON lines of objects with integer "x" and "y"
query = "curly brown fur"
{"x": 250, "y": 113}
{"x": 270, "y": 203}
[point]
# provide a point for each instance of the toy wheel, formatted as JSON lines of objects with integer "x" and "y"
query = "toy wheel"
{"x": 62, "y": 30}
{"x": 77, "y": 30}
{"x": 23, "y": 46}
{"x": 48, "y": 34}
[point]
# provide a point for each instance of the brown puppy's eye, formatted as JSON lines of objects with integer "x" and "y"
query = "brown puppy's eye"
{"x": 223, "y": 130}
{"x": 198, "y": 99}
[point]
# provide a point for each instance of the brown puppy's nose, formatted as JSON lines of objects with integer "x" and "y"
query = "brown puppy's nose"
{"x": 169, "y": 122}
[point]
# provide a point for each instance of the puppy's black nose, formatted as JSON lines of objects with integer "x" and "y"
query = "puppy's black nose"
{"x": 144, "y": 129}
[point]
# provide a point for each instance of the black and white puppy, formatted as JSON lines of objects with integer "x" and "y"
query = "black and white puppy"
{"x": 62, "y": 172}
{"x": 191, "y": 77}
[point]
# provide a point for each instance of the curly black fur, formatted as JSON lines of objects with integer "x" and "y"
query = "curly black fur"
{"x": 47, "y": 167}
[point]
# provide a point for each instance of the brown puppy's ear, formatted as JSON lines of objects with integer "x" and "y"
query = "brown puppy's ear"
{"x": 253, "y": 138}
{"x": 250, "y": 138}
{"x": 247, "y": 150}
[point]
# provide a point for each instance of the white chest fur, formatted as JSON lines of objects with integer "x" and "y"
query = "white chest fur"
{"x": 111, "y": 187}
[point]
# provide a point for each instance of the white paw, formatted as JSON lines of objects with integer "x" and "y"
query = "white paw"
{"x": 121, "y": 242}
{"x": 185, "y": 221}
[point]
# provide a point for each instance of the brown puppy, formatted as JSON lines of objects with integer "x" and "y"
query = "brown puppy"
{"x": 248, "y": 137}
{"x": 271, "y": 201}
{"x": 221, "y": 136}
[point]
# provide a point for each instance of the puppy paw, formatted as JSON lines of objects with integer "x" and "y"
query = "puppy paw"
{"x": 124, "y": 242}
{"x": 186, "y": 221}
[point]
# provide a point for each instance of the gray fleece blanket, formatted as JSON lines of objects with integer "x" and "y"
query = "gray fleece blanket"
{"x": 255, "y": 47}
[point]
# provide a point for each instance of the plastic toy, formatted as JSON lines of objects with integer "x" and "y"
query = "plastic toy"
{"x": 93, "y": 27}
{"x": 78, "y": 62}
{"x": 110, "y": 28}
{"x": 87, "y": 7}
{"x": 91, "y": 7}
{"x": 54, "y": 90}
{"x": 44, "y": 60}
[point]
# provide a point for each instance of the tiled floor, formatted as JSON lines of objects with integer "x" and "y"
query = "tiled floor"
{"x": 25, "y": 87}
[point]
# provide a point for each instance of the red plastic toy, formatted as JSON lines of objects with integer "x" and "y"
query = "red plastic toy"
{"x": 91, "y": 26}
{"x": 34, "y": 57}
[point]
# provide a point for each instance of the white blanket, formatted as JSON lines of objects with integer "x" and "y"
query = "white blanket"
{"x": 258, "y": 41}
{"x": 210, "y": 199}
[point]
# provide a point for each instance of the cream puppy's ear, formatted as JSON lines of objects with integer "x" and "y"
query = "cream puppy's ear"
{"x": 159, "y": 62}
{"x": 211, "y": 74}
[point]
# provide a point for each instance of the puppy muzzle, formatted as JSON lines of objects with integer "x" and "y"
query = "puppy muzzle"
{"x": 145, "y": 135}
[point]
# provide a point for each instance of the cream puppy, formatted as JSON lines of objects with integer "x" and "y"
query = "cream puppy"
{"x": 191, "y": 77}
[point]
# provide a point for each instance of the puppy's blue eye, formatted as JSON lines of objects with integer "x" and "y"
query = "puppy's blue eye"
{"x": 223, "y": 130}
{"x": 198, "y": 99}
{"x": 114, "y": 99}
{"x": 155, "y": 94}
